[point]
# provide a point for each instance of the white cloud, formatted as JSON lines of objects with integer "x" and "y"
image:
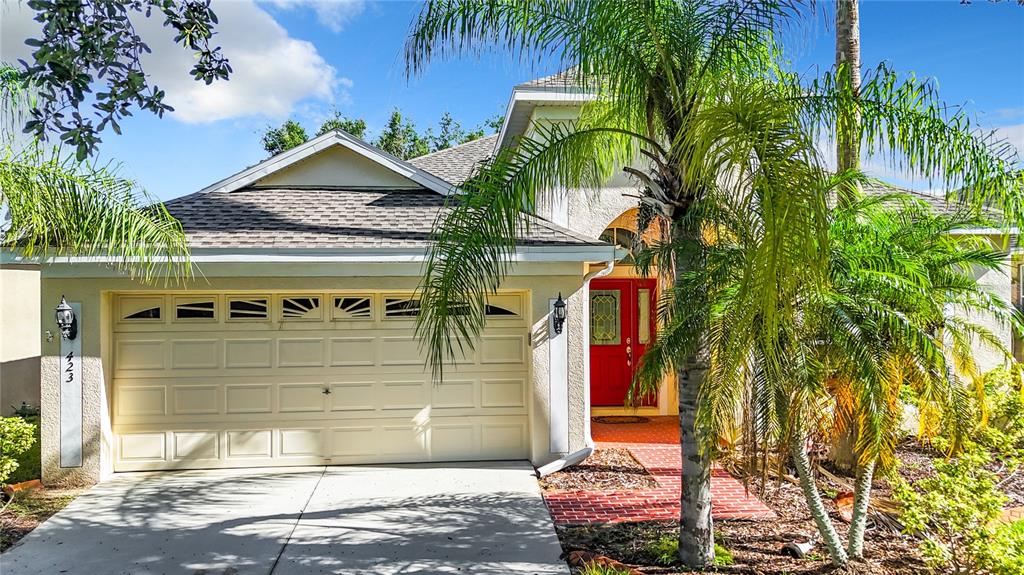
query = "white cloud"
{"x": 272, "y": 72}
{"x": 333, "y": 14}
{"x": 1014, "y": 134}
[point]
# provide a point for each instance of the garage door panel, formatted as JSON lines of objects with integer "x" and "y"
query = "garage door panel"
{"x": 353, "y": 396}
{"x": 196, "y": 445}
{"x": 326, "y": 387}
{"x": 503, "y": 392}
{"x": 195, "y": 353}
{"x": 454, "y": 394}
{"x": 249, "y": 444}
{"x": 402, "y": 395}
{"x": 300, "y": 352}
{"x": 300, "y": 397}
{"x": 195, "y": 399}
{"x": 301, "y": 442}
{"x": 140, "y": 355}
{"x": 133, "y": 401}
{"x": 241, "y": 353}
{"x": 248, "y": 398}
{"x": 353, "y": 351}
{"x": 455, "y": 441}
{"x": 502, "y": 349}
{"x": 353, "y": 441}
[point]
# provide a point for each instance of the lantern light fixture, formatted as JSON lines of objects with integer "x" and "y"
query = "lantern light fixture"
{"x": 66, "y": 320}
{"x": 558, "y": 314}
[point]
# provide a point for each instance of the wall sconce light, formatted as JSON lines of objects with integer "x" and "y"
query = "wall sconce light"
{"x": 66, "y": 320}
{"x": 558, "y": 314}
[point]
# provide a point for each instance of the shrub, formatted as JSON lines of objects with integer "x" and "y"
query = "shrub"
{"x": 666, "y": 552}
{"x": 16, "y": 437}
{"x": 597, "y": 569}
{"x": 955, "y": 513}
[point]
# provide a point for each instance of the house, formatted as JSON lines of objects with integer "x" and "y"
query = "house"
{"x": 295, "y": 343}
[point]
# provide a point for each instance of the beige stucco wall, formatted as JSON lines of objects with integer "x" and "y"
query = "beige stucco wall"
{"x": 94, "y": 296}
{"x": 999, "y": 283}
{"x": 334, "y": 167}
{"x": 19, "y": 336}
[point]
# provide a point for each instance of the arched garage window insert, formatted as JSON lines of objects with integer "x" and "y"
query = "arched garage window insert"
{"x": 300, "y": 308}
{"x": 353, "y": 308}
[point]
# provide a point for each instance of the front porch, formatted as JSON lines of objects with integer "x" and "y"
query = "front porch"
{"x": 654, "y": 442}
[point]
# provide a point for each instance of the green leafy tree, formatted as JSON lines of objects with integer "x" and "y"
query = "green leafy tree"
{"x": 726, "y": 138}
{"x": 57, "y": 205}
{"x": 355, "y": 127}
{"x": 449, "y": 133}
{"x": 83, "y": 44}
{"x": 283, "y": 138}
{"x": 400, "y": 138}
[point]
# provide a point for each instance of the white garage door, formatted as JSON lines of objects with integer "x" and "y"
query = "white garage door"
{"x": 259, "y": 379}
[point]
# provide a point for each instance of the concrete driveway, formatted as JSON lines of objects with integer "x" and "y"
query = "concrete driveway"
{"x": 453, "y": 518}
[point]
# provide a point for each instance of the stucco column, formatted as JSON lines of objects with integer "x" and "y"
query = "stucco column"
{"x": 96, "y": 462}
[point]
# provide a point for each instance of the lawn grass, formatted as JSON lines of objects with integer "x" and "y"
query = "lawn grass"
{"x": 30, "y": 462}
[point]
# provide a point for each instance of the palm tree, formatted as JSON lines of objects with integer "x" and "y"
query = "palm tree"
{"x": 689, "y": 100}
{"x": 879, "y": 323}
{"x": 55, "y": 205}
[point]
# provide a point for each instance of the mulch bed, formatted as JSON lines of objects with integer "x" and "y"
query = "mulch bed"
{"x": 29, "y": 509}
{"x": 755, "y": 545}
{"x": 605, "y": 470}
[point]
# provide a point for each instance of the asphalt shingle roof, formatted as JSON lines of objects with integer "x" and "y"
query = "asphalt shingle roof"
{"x": 938, "y": 204}
{"x": 563, "y": 79}
{"x": 454, "y": 165}
{"x": 278, "y": 218}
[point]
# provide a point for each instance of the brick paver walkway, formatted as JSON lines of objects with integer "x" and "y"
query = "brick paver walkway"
{"x": 656, "y": 445}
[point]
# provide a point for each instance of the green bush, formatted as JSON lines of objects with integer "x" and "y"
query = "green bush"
{"x": 595, "y": 569}
{"x": 955, "y": 514}
{"x": 666, "y": 552}
{"x": 30, "y": 460}
{"x": 16, "y": 437}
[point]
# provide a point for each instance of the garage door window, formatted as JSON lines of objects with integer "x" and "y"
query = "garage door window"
{"x": 352, "y": 308}
{"x": 144, "y": 309}
{"x": 248, "y": 308}
{"x": 400, "y": 307}
{"x": 300, "y": 308}
{"x": 195, "y": 309}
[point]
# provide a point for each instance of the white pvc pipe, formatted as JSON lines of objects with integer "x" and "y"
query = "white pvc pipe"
{"x": 578, "y": 456}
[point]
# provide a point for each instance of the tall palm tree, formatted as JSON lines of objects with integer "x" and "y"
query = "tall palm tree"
{"x": 677, "y": 84}
{"x": 54, "y": 205}
{"x": 848, "y": 67}
{"x": 690, "y": 102}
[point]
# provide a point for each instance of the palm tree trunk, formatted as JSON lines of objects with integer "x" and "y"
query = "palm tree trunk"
{"x": 696, "y": 536}
{"x": 696, "y": 532}
{"x": 798, "y": 450}
{"x": 848, "y": 53}
{"x": 861, "y": 499}
{"x": 847, "y": 158}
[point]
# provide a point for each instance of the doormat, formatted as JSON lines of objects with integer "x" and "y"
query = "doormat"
{"x": 617, "y": 419}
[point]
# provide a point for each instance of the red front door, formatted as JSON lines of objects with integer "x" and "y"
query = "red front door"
{"x": 621, "y": 328}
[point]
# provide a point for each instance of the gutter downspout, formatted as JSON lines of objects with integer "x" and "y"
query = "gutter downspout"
{"x": 574, "y": 458}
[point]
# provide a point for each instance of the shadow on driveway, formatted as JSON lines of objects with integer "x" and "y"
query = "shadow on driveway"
{"x": 472, "y": 518}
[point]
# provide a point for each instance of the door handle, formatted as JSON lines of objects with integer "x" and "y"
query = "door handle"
{"x": 326, "y": 391}
{"x": 629, "y": 355}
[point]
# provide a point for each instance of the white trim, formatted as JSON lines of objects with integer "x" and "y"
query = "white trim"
{"x": 584, "y": 253}
{"x": 555, "y": 95}
{"x": 334, "y": 138}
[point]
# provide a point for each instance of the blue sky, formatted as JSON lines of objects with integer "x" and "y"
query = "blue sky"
{"x": 302, "y": 59}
